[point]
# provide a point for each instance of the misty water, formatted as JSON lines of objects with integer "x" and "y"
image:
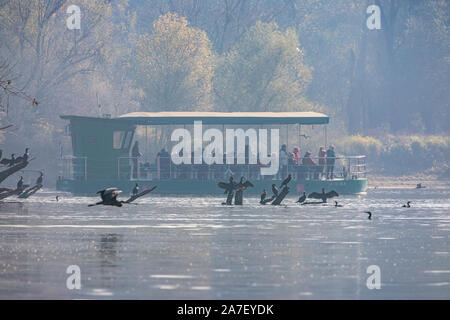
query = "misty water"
{"x": 195, "y": 248}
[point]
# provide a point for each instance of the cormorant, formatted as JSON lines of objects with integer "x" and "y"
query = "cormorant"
{"x": 324, "y": 196}
{"x": 230, "y": 186}
{"x": 337, "y": 205}
{"x": 302, "y": 198}
{"x": 135, "y": 190}
{"x": 8, "y": 162}
{"x": 269, "y": 199}
{"x": 263, "y": 196}
{"x": 407, "y": 205}
{"x": 370, "y": 215}
{"x": 243, "y": 185}
{"x": 109, "y": 197}
{"x": 23, "y": 158}
{"x": 286, "y": 181}
{"x": 418, "y": 186}
{"x": 57, "y": 198}
{"x": 275, "y": 190}
{"x": 20, "y": 184}
{"x": 39, "y": 179}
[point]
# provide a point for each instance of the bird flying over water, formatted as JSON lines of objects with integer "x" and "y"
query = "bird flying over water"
{"x": 324, "y": 196}
{"x": 302, "y": 198}
{"x": 109, "y": 197}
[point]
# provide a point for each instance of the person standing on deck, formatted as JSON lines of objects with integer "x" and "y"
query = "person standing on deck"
{"x": 135, "y": 154}
{"x": 331, "y": 157}
{"x": 283, "y": 161}
{"x": 322, "y": 160}
{"x": 296, "y": 155}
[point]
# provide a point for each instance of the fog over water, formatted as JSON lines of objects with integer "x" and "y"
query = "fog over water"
{"x": 195, "y": 248}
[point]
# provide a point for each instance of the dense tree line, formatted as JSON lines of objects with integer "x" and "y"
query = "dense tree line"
{"x": 228, "y": 55}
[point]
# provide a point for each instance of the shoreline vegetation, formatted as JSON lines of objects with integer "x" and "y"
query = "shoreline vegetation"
{"x": 421, "y": 156}
{"x": 430, "y": 181}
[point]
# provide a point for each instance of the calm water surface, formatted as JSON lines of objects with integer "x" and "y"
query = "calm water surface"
{"x": 195, "y": 248}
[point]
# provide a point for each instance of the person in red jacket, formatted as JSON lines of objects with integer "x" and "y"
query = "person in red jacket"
{"x": 308, "y": 163}
{"x": 296, "y": 155}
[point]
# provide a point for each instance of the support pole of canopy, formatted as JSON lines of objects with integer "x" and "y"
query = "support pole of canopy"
{"x": 326, "y": 135}
{"x": 287, "y": 138}
{"x": 146, "y": 144}
{"x": 299, "y": 137}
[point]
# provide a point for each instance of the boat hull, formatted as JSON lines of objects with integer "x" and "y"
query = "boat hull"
{"x": 209, "y": 187}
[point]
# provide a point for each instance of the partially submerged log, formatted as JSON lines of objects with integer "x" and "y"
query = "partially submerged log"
{"x": 9, "y": 193}
{"x": 281, "y": 196}
{"x": 143, "y": 193}
{"x": 30, "y": 191}
{"x": 11, "y": 170}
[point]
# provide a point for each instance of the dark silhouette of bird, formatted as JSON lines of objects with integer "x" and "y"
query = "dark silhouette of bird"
{"x": 420, "y": 186}
{"x": 304, "y": 136}
{"x": 337, "y": 205}
{"x": 23, "y": 158}
{"x": 40, "y": 179}
{"x": 230, "y": 186}
{"x": 265, "y": 201}
{"x": 20, "y": 185}
{"x": 370, "y": 215}
{"x": 407, "y": 205}
{"x": 135, "y": 190}
{"x": 109, "y": 197}
{"x": 263, "y": 196}
{"x": 324, "y": 196}
{"x": 302, "y": 198}
{"x": 243, "y": 185}
{"x": 34, "y": 102}
{"x": 57, "y": 198}
{"x": 286, "y": 181}
{"x": 275, "y": 190}
{"x": 8, "y": 162}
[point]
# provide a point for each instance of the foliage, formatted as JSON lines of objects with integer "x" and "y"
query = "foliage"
{"x": 399, "y": 154}
{"x": 175, "y": 66}
{"x": 263, "y": 72}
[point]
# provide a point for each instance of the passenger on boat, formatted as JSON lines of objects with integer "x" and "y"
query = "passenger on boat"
{"x": 331, "y": 157}
{"x": 308, "y": 163}
{"x": 135, "y": 154}
{"x": 322, "y": 161}
{"x": 296, "y": 155}
{"x": 163, "y": 161}
{"x": 283, "y": 161}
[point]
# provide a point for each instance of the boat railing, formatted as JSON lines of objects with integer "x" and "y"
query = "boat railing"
{"x": 345, "y": 167}
{"x": 132, "y": 168}
{"x": 73, "y": 168}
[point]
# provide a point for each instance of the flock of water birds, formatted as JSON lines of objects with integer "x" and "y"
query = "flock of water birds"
{"x": 235, "y": 190}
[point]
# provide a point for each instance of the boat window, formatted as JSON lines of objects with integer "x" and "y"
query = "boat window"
{"x": 118, "y": 139}
{"x": 127, "y": 139}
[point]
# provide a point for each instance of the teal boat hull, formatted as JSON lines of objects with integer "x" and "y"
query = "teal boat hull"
{"x": 209, "y": 187}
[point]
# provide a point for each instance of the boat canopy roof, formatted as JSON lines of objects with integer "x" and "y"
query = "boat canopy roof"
{"x": 158, "y": 118}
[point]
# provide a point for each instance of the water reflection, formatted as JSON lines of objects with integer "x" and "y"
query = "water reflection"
{"x": 194, "y": 248}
